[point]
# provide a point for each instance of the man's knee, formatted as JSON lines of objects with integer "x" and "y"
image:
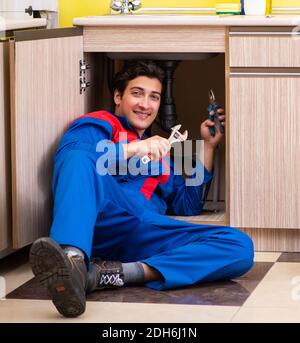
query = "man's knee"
{"x": 76, "y": 162}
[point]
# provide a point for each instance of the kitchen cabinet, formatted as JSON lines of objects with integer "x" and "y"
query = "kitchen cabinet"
{"x": 262, "y": 171}
{"x": 264, "y": 148}
{"x": 264, "y": 47}
{"x": 45, "y": 69}
{"x": 45, "y": 98}
{"x": 264, "y": 129}
{"x": 6, "y": 33}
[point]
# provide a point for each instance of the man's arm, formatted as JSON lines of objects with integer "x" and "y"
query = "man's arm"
{"x": 156, "y": 146}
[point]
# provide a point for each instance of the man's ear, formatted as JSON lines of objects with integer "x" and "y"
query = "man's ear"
{"x": 117, "y": 97}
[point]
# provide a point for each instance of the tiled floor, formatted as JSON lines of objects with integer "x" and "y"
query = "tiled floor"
{"x": 270, "y": 292}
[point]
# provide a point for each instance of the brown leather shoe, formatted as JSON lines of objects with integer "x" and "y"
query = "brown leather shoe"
{"x": 64, "y": 276}
{"x": 104, "y": 274}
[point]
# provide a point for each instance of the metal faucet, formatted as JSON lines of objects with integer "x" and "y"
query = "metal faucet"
{"x": 125, "y": 6}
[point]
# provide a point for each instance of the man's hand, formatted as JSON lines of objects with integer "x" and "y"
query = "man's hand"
{"x": 156, "y": 147}
{"x": 210, "y": 141}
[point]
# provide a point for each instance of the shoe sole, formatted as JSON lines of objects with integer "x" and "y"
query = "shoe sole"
{"x": 52, "y": 268}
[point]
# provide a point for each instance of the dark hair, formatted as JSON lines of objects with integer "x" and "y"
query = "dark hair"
{"x": 133, "y": 69}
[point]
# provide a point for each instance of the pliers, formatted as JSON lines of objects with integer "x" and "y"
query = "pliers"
{"x": 213, "y": 107}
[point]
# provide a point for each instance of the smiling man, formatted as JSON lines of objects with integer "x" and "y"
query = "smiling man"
{"x": 111, "y": 230}
{"x": 140, "y": 101}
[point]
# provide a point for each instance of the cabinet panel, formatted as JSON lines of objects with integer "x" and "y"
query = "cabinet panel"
{"x": 264, "y": 51}
{"x": 264, "y": 151}
{"x": 154, "y": 39}
{"x": 5, "y": 194}
{"x": 45, "y": 99}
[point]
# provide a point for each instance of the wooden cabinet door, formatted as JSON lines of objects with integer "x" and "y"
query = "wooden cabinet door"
{"x": 5, "y": 195}
{"x": 264, "y": 153}
{"x": 45, "y": 98}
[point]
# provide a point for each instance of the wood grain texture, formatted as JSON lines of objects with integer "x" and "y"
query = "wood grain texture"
{"x": 227, "y": 129}
{"x": 264, "y": 152}
{"x": 5, "y": 182}
{"x": 154, "y": 39}
{"x": 46, "y": 99}
{"x": 274, "y": 239}
{"x": 264, "y": 51}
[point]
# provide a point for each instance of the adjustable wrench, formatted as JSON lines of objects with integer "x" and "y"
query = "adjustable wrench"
{"x": 175, "y": 136}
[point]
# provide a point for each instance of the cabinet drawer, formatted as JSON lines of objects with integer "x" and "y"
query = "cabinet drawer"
{"x": 264, "y": 48}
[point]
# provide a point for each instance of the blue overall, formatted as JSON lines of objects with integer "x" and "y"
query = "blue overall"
{"x": 122, "y": 217}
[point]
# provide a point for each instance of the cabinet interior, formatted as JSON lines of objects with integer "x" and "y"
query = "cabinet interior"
{"x": 193, "y": 78}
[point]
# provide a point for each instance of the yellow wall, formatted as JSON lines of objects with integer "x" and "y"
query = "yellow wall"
{"x": 69, "y": 9}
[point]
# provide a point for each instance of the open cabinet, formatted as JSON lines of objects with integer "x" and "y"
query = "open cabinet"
{"x": 47, "y": 85}
{"x": 45, "y": 97}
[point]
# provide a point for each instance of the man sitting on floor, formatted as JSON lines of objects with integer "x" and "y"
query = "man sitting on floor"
{"x": 110, "y": 229}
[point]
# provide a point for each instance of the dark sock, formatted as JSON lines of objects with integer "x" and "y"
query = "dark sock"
{"x": 133, "y": 273}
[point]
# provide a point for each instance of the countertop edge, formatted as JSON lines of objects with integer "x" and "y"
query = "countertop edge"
{"x": 188, "y": 20}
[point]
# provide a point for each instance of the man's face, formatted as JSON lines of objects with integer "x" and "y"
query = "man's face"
{"x": 139, "y": 102}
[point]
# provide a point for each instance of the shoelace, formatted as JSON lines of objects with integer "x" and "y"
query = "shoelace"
{"x": 111, "y": 280}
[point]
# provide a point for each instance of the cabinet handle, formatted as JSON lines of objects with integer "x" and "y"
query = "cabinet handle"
{"x": 262, "y": 74}
{"x": 265, "y": 33}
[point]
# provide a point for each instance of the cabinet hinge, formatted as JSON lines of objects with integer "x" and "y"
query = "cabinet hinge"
{"x": 83, "y": 67}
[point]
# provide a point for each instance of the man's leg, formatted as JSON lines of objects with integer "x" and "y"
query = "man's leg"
{"x": 213, "y": 254}
{"x": 80, "y": 194}
{"x": 178, "y": 253}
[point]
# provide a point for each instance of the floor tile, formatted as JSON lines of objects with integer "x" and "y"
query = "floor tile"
{"x": 289, "y": 257}
{"x": 279, "y": 288}
{"x": 15, "y": 311}
{"x": 266, "y": 256}
{"x": 267, "y": 315}
{"x": 226, "y": 293}
{"x": 17, "y": 277}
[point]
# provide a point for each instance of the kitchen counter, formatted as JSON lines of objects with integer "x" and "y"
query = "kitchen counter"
{"x": 180, "y": 33}
{"x": 190, "y": 20}
{"x": 14, "y": 24}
